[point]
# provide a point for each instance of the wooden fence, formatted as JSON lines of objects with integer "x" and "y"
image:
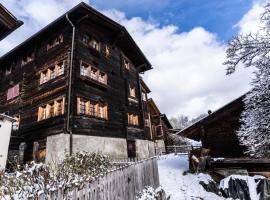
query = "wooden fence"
{"x": 184, "y": 149}
{"x": 122, "y": 183}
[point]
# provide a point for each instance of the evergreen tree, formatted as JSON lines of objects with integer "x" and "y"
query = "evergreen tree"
{"x": 254, "y": 51}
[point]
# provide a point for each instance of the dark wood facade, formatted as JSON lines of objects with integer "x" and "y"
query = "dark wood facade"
{"x": 217, "y": 131}
{"x": 8, "y": 22}
{"x": 30, "y": 62}
{"x": 160, "y": 124}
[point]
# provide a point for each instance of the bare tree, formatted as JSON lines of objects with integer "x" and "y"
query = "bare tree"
{"x": 253, "y": 51}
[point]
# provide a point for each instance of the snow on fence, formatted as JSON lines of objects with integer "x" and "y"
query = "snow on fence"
{"x": 124, "y": 182}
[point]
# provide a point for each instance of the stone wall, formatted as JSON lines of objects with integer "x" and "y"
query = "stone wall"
{"x": 145, "y": 149}
{"x": 58, "y": 145}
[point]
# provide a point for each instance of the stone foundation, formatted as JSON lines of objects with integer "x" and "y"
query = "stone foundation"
{"x": 58, "y": 145}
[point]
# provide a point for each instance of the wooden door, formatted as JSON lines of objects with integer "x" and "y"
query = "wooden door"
{"x": 131, "y": 147}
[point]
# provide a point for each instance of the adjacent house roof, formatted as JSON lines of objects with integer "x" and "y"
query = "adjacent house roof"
{"x": 84, "y": 12}
{"x": 8, "y": 22}
{"x": 193, "y": 131}
{"x": 144, "y": 86}
{"x": 166, "y": 121}
{"x": 153, "y": 107}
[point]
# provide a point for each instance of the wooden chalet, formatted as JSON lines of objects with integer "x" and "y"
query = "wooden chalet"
{"x": 75, "y": 86}
{"x": 8, "y": 23}
{"x": 160, "y": 126}
{"x": 217, "y": 131}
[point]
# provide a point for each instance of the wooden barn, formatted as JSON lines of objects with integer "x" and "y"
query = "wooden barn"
{"x": 217, "y": 131}
{"x": 8, "y": 22}
{"x": 75, "y": 86}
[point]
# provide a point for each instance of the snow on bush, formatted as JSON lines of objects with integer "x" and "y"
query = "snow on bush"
{"x": 37, "y": 180}
{"x": 147, "y": 194}
{"x": 150, "y": 193}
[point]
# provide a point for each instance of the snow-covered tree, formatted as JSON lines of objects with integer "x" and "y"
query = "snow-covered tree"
{"x": 254, "y": 51}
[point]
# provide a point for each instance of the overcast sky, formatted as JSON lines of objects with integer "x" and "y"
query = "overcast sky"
{"x": 184, "y": 40}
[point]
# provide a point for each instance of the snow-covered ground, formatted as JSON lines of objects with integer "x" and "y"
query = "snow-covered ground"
{"x": 180, "y": 187}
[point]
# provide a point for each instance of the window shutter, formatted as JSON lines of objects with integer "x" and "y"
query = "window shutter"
{"x": 56, "y": 106}
{"x": 48, "y": 107}
{"x": 8, "y": 94}
{"x": 63, "y": 105}
{"x": 40, "y": 109}
{"x": 87, "y": 107}
{"x": 16, "y": 90}
{"x": 78, "y": 105}
{"x": 49, "y": 74}
{"x": 41, "y": 78}
{"x": 105, "y": 111}
{"x": 96, "y": 110}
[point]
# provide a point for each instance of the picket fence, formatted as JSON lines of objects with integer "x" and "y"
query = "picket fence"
{"x": 121, "y": 183}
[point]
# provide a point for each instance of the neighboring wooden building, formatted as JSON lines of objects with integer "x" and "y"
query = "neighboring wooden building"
{"x": 160, "y": 126}
{"x": 8, "y": 22}
{"x": 217, "y": 131}
{"x": 75, "y": 86}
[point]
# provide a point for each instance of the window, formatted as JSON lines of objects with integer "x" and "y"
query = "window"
{"x": 13, "y": 92}
{"x": 132, "y": 91}
{"x": 126, "y": 64}
{"x": 107, "y": 51}
{"x": 94, "y": 44}
{"x": 133, "y": 120}
{"x": 16, "y": 124}
{"x": 28, "y": 58}
{"x": 55, "y": 41}
{"x": 92, "y": 108}
{"x": 93, "y": 73}
{"x": 52, "y": 72}
{"x": 60, "y": 68}
{"x": 8, "y": 71}
{"x": 147, "y": 122}
{"x": 52, "y": 109}
{"x": 91, "y": 42}
{"x": 144, "y": 96}
{"x": 102, "y": 78}
{"x": 83, "y": 69}
{"x": 83, "y": 107}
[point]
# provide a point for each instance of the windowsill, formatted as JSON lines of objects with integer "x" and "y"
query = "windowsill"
{"x": 88, "y": 79}
{"x": 136, "y": 128}
{"x": 92, "y": 117}
{"x": 54, "y": 47}
{"x": 93, "y": 50}
{"x": 31, "y": 62}
{"x": 133, "y": 99}
{"x": 51, "y": 80}
{"x": 13, "y": 99}
{"x": 50, "y": 118}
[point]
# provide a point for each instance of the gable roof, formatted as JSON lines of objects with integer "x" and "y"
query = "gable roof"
{"x": 153, "y": 107}
{"x": 8, "y": 22}
{"x": 166, "y": 121}
{"x": 84, "y": 11}
{"x": 192, "y": 130}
